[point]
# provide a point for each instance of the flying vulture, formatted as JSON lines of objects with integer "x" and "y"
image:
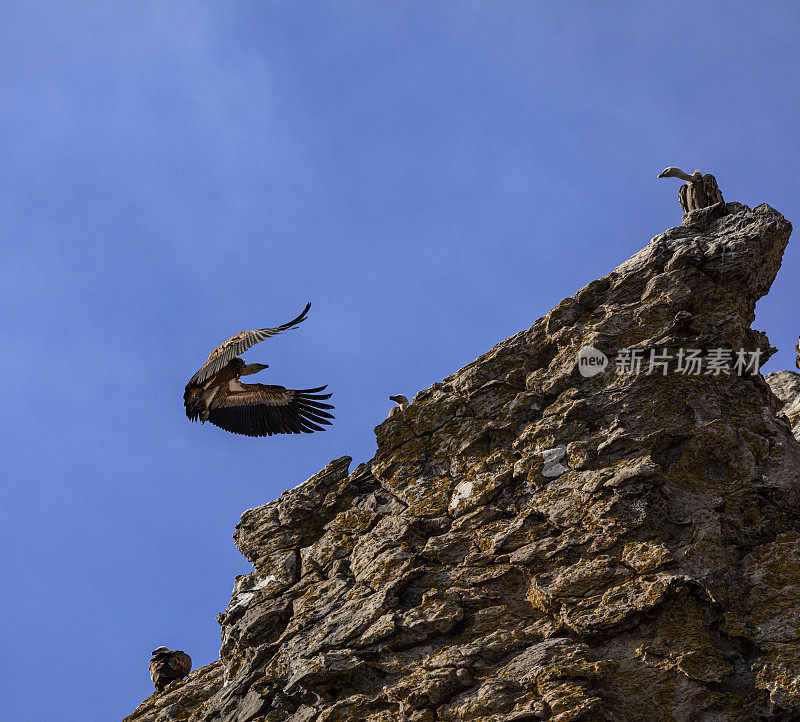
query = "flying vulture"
{"x": 402, "y": 405}
{"x": 216, "y": 394}
{"x": 699, "y": 191}
{"x": 168, "y": 665}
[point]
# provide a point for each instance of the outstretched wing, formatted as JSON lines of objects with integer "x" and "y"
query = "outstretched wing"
{"x": 238, "y": 344}
{"x": 263, "y": 410}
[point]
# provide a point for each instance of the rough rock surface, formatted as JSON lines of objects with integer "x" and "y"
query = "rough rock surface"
{"x": 786, "y": 386}
{"x": 529, "y": 543}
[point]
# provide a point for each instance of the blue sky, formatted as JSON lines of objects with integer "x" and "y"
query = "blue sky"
{"x": 433, "y": 177}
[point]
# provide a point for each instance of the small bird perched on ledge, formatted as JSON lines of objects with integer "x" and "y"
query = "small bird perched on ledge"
{"x": 402, "y": 405}
{"x": 168, "y": 665}
{"x": 699, "y": 191}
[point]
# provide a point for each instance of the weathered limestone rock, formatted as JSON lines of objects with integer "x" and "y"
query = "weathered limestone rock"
{"x": 532, "y": 543}
{"x": 182, "y": 697}
{"x": 786, "y": 386}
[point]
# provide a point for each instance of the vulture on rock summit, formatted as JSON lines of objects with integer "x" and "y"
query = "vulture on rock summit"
{"x": 402, "y": 405}
{"x": 699, "y": 191}
{"x": 216, "y": 394}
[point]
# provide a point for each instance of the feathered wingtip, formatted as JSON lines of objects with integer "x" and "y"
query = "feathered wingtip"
{"x": 313, "y": 394}
{"x": 311, "y": 404}
{"x": 264, "y": 410}
{"x": 302, "y": 317}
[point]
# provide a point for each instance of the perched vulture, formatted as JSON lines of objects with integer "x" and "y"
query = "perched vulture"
{"x": 699, "y": 191}
{"x": 402, "y": 405}
{"x": 168, "y": 665}
{"x": 797, "y": 359}
{"x": 216, "y": 394}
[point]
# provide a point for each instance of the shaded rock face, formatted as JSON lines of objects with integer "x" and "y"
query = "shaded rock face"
{"x": 532, "y": 543}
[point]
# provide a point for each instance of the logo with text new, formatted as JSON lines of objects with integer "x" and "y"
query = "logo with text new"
{"x": 591, "y": 361}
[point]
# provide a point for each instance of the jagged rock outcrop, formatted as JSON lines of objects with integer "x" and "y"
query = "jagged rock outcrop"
{"x": 786, "y": 386}
{"x": 532, "y": 543}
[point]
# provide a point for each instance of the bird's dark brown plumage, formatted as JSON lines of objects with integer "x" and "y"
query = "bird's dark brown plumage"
{"x": 263, "y": 410}
{"x": 168, "y": 665}
{"x": 700, "y": 194}
{"x": 216, "y": 394}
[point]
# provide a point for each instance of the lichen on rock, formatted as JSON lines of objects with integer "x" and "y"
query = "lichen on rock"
{"x": 532, "y": 543}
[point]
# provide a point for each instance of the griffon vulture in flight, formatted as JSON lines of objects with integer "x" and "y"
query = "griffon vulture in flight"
{"x": 699, "y": 191}
{"x": 168, "y": 665}
{"x": 216, "y": 394}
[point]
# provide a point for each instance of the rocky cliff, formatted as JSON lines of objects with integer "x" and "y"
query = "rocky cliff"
{"x": 534, "y": 542}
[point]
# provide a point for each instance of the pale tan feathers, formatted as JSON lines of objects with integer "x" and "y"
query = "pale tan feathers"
{"x": 238, "y": 344}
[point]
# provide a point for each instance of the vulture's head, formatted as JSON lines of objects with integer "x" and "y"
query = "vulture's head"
{"x": 399, "y": 399}
{"x": 673, "y": 172}
{"x": 160, "y": 650}
{"x": 251, "y": 369}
